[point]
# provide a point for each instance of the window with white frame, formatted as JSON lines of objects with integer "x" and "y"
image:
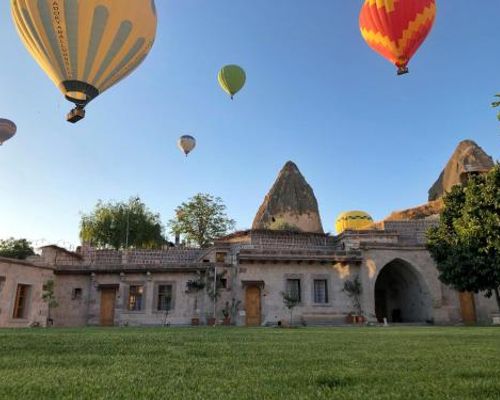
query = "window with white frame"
{"x": 320, "y": 291}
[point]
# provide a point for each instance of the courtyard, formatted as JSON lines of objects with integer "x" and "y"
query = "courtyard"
{"x": 258, "y": 363}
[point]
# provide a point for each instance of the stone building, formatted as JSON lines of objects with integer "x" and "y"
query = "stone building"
{"x": 286, "y": 252}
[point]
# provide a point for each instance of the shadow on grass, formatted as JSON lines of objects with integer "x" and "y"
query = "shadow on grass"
{"x": 334, "y": 382}
{"x": 473, "y": 375}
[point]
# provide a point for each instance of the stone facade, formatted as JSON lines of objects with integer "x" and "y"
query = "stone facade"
{"x": 21, "y": 286}
{"x": 398, "y": 278}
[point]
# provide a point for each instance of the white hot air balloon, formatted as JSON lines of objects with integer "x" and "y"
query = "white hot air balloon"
{"x": 186, "y": 144}
{"x": 7, "y": 130}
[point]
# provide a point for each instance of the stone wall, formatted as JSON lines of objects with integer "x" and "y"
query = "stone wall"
{"x": 139, "y": 257}
{"x": 445, "y": 303}
{"x": 85, "y": 310}
{"x": 411, "y": 232}
{"x": 275, "y": 275}
{"x": 12, "y": 274}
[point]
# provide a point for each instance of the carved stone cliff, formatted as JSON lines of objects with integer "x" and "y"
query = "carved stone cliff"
{"x": 468, "y": 158}
{"x": 290, "y": 204}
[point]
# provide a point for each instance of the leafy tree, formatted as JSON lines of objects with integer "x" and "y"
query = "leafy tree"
{"x": 19, "y": 249}
{"x": 122, "y": 225}
{"x": 466, "y": 243}
{"x": 201, "y": 220}
{"x": 354, "y": 290}
{"x": 291, "y": 300}
{"x": 496, "y": 104}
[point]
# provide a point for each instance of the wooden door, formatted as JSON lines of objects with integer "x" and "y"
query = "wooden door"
{"x": 108, "y": 298}
{"x": 252, "y": 306}
{"x": 467, "y": 307}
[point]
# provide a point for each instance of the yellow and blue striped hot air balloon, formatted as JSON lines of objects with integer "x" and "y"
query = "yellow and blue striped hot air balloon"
{"x": 396, "y": 28}
{"x": 352, "y": 221}
{"x": 86, "y": 46}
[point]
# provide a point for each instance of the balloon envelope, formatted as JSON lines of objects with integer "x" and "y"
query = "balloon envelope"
{"x": 186, "y": 144}
{"x": 86, "y": 46}
{"x": 396, "y": 28}
{"x": 7, "y": 130}
{"x": 232, "y": 78}
{"x": 352, "y": 220}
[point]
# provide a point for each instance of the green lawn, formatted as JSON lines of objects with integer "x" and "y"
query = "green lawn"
{"x": 218, "y": 363}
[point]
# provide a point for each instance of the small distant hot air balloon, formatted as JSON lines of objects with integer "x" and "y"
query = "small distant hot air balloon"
{"x": 7, "y": 130}
{"x": 232, "y": 78}
{"x": 396, "y": 28}
{"x": 353, "y": 221}
{"x": 186, "y": 144}
{"x": 86, "y": 46}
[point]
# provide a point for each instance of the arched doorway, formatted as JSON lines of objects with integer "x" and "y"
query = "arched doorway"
{"x": 401, "y": 294}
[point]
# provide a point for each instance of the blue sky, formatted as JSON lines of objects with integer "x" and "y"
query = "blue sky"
{"x": 316, "y": 94}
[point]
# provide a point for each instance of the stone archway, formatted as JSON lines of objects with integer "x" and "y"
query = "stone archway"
{"x": 401, "y": 294}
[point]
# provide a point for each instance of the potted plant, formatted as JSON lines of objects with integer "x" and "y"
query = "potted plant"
{"x": 354, "y": 290}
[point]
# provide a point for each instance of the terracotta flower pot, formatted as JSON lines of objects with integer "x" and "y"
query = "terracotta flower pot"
{"x": 211, "y": 321}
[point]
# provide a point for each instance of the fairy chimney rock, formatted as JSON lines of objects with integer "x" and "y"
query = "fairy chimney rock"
{"x": 290, "y": 204}
{"x": 468, "y": 158}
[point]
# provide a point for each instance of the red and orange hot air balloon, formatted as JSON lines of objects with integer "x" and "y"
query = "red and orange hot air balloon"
{"x": 396, "y": 28}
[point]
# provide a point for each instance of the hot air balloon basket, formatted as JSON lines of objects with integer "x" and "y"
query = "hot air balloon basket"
{"x": 403, "y": 71}
{"x": 75, "y": 115}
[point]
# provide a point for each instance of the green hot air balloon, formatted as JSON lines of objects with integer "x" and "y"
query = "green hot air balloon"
{"x": 232, "y": 78}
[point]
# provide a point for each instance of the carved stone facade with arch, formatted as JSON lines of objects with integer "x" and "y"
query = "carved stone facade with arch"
{"x": 405, "y": 274}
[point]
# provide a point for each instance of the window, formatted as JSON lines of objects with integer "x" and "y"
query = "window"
{"x": 135, "y": 294}
{"x": 76, "y": 294}
{"x": 164, "y": 297}
{"x": 321, "y": 291}
{"x": 2, "y": 283}
{"x": 220, "y": 257}
{"x": 293, "y": 288}
{"x": 21, "y": 303}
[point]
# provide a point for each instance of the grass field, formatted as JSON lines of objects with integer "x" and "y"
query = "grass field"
{"x": 218, "y": 363}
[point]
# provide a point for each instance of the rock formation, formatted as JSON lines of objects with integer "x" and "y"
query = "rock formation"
{"x": 467, "y": 159}
{"x": 429, "y": 210}
{"x": 290, "y": 204}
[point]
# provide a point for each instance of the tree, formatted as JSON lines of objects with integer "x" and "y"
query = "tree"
{"x": 48, "y": 296}
{"x": 291, "y": 300}
{"x": 466, "y": 243}
{"x": 496, "y": 104}
{"x": 122, "y": 225}
{"x": 214, "y": 284}
{"x": 201, "y": 219}
{"x": 354, "y": 290}
{"x": 19, "y": 249}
